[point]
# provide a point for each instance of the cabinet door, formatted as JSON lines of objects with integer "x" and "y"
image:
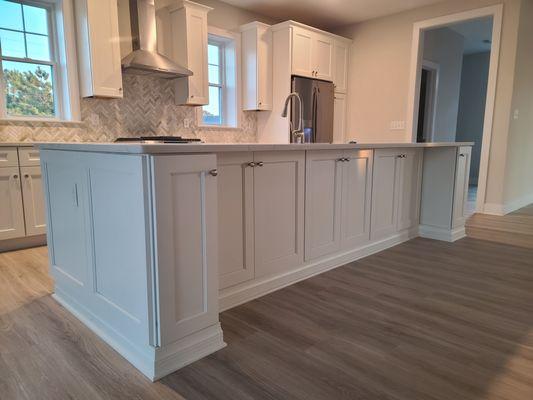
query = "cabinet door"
{"x": 460, "y": 195}
{"x": 322, "y": 56}
{"x": 99, "y": 48}
{"x": 11, "y": 213}
{"x": 409, "y": 188}
{"x": 302, "y": 44}
{"x": 197, "y": 48}
{"x": 279, "y": 211}
{"x": 385, "y": 193}
{"x": 32, "y": 192}
{"x": 339, "y": 118}
{"x": 323, "y": 191}
{"x": 356, "y": 198}
{"x": 235, "y": 218}
{"x": 340, "y": 76}
{"x": 185, "y": 200}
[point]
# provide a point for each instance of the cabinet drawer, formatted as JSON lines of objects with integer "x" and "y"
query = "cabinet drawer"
{"x": 29, "y": 157}
{"x": 8, "y": 157}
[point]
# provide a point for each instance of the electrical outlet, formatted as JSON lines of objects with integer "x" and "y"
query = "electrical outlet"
{"x": 187, "y": 122}
{"x": 516, "y": 114}
{"x": 397, "y": 125}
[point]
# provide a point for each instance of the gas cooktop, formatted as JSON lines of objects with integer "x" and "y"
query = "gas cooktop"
{"x": 158, "y": 139}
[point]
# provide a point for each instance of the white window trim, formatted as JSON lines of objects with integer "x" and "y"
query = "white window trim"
{"x": 63, "y": 48}
{"x": 232, "y": 89}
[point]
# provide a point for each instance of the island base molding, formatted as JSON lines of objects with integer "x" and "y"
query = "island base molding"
{"x": 235, "y": 296}
{"x": 443, "y": 234}
{"x": 153, "y": 362}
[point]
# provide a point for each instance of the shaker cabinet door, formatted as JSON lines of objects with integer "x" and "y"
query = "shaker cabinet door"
{"x": 410, "y": 176}
{"x": 32, "y": 191}
{"x": 11, "y": 212}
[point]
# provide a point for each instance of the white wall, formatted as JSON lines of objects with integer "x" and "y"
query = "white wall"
{"x": 379, "y": 72}
{"x": 519, "y": 173}
{"x": 472, "y": 100}
{"x": 445, "y": 48}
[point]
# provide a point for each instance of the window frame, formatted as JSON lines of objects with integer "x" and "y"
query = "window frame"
{"x": 230, "y": 80}
{"x": 63, "y": 61}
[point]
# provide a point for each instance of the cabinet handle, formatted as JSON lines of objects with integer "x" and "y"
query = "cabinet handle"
{"x": 213, "y": 172}
{"x": 461, "y": 155}
{"x": 15, "y": 176}
{"x": 260, "y": 163}
{"x": 26, "y": 176}
{"x": 251, "y": 164}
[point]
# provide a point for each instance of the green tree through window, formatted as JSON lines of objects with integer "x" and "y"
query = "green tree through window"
{"x": 29, "y": 92}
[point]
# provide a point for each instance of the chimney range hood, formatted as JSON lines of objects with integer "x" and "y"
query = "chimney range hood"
{"x": 144, "y": 59}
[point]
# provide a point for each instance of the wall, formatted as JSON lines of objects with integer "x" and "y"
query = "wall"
{"x": 379, "y": 78}
{"x": 472, "y": 102}
{"x": 445, "y": 47}
{"x": 519, "y": 173}
{"x": 148, "y": 104}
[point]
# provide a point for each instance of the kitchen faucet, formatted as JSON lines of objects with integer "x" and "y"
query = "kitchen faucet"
{"x": 296, "y": 134}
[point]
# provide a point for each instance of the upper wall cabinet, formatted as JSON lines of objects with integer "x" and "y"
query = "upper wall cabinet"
{"x": 312, "y": 54}
{"x": 316, "y": 54}
{"x": 100, "y": 71}
{"x": 256, "y": 39}
{"x": 340, "y": 67}
{"x": 188, "y": 41}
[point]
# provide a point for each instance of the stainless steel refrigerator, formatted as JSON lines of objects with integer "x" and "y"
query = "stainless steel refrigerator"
{"x": 318, "y": 99}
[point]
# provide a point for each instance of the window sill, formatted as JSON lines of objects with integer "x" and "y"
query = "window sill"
{"x": 220, "y": 127}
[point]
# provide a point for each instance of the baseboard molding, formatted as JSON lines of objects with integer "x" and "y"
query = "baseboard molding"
{"x": 237, "y": 295}
{"x": 518, "y": 204}
{"x": 152, "y": 362}
{"x": 22, "y": 243}
{"x": 188, "y": 350}
{"x": 493, "y": 209}
{"x": 443, "y": 234}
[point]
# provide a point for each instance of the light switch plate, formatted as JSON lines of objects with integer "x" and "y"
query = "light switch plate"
{"x": 397, "y": 125}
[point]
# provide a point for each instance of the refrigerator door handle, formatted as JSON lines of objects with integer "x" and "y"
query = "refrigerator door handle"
{"x": 315, "y": 111}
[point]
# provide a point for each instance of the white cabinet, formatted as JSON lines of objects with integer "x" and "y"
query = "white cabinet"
{"x": 395, "y": 191}
{"x": 337, "y": 198}
{"x": 462, "y": 176}
{"x": 188, "y": 40}
{"x": 261, "y": 214}
{"x": 256, "y": 41}
{"x": 339, "y": 118}
{"x": 11, "y": 212}
{"x": 98, "y": 48}
{"x": 340, "y": 59}
{"x": 34, "y": 210}
{"x": 278, "y": 211}
{"x": 312, "y": 54}
{"x": 235, "y": 218}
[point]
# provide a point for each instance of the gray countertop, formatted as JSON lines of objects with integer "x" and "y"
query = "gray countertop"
{"x": 173, "y": 148}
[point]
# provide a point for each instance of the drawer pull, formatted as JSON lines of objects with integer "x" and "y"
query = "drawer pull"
{"x": 213, "y": 172}
{"x": 260, "y": 163}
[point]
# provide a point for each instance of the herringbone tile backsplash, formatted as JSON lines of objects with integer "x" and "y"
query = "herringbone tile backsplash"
{"x": 147, "y": 109}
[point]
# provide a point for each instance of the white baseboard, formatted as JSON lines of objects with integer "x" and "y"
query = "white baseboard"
{"x": 22, "y": 243}
{"x": 242, "y": 293}
{"x": 153, "y": 362}
{"x": 504, "y": 209}
{"x": 436, "y": 233}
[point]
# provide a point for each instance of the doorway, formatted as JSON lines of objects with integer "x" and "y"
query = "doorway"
{"x": 453, "y": 85}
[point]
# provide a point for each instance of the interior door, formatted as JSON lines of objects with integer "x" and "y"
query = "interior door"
{"x": 356, "y": 198}
{"x": 278, "y": 211}
{"x": 235, "y": 218}
{"x": 385, "y": 193}
{"x": 323, "y": 194}
{"x": 32, "y": 191}
{"x": 11, "y": 212}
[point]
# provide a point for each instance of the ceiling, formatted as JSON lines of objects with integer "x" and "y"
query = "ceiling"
{"x": 327, "y": 14}
{"x": 475, "y": 32}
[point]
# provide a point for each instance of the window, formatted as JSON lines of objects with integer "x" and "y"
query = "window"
{"x": 222, "y": 75}
{"x": 27, "y": 58}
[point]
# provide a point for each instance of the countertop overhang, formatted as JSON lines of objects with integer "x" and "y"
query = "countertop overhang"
{"x": 177, "y": 148}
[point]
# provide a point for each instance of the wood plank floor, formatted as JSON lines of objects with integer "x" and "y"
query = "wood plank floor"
{"x": 515, "y": 228}
{"x": 424, "y": 320}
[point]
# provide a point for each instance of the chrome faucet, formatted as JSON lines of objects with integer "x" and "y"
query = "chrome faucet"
{"x": 296, "y": 134}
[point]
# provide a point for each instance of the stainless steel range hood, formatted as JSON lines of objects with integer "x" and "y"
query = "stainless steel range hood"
{"x": 144, "y": 59}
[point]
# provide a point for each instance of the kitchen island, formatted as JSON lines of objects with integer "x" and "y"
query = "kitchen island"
{"x": 149, "y": 242}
